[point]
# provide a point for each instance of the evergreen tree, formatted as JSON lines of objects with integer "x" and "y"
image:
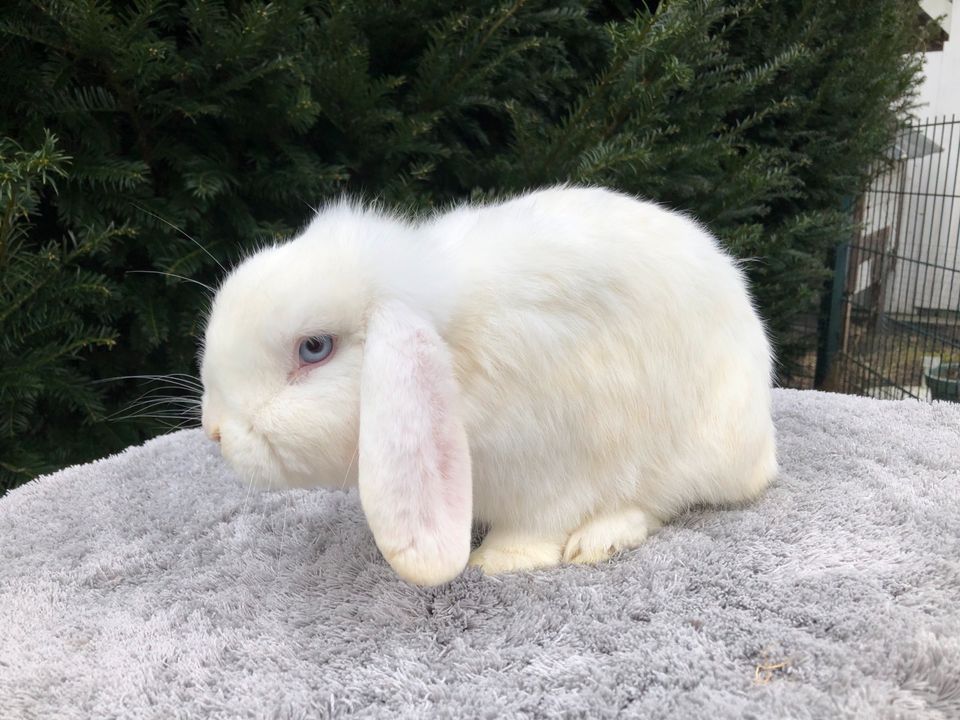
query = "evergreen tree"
{"x": 47, "y": 305}
{"x": 189, "y": 131}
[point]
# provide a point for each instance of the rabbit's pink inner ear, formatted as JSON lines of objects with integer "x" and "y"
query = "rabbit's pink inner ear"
{"x": 414, "y": 465}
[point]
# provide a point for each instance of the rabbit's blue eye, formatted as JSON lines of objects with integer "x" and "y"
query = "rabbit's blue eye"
{"x": 316, "y": 349}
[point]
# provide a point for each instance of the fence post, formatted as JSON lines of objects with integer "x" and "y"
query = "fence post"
{"x": 830, "y": 342}
{"x": 830, "y": 327}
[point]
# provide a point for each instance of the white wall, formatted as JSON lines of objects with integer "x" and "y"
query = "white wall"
{"x": 930, "y": 230}
{"x": 929, "y": 233}
{"x": 940, "y": 93}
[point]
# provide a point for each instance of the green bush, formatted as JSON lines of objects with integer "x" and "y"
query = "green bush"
{"x": 225, "y": 120}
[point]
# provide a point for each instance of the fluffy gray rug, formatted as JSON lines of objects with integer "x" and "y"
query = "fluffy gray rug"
{"x": 151, "y": 585}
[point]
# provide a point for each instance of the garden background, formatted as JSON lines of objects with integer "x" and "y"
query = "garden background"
{"x": 128, "y": 128}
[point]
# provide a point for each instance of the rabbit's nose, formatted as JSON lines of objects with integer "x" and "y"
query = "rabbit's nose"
{"x": 214, "y": 434}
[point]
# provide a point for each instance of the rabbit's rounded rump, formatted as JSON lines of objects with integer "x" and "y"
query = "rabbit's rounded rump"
{"x": 571, "y": 368}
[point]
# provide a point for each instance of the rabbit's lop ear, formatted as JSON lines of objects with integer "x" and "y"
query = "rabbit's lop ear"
{"x": 414, "y": 467}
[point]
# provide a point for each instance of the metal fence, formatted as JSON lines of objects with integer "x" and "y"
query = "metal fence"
{"x": 894, "y": 321}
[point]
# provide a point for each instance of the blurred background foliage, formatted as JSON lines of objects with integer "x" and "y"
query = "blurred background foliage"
{"x": 127, "y": 128}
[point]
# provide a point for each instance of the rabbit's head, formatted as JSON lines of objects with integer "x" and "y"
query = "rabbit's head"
{"x": 323, "y": 364}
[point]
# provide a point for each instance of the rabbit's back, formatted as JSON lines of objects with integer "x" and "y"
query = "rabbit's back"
{"x": 607, "y": 351}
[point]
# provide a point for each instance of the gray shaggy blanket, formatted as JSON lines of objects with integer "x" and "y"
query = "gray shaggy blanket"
{"x": 153, "y": 585}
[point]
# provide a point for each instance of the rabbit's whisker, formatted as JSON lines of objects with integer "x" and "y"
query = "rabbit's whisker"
{"x": 182, "y": 232}
{"x": 154, "y": 401}
{"x": 173, "y": 275}
{"x": 180, "y": 379}
{"x": 161, "y": 404}
{"x": 283, "y": 532}
{"x": 160, "y": 417}
{"x": 356, "y": 453}
{"x": 246, "y": 497}
{"x": 153, "y": 396}
{"x": 174, "y": 426}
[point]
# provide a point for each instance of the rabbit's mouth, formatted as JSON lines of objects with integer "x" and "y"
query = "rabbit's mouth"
{"x": 276, "y": 458}
{"x": 264, "y": 463}
{"x": 253, "y": 458}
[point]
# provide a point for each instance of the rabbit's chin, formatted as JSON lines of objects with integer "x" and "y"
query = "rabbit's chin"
{"x": 263, "y": 466}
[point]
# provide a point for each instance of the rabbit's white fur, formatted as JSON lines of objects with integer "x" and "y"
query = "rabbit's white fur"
{"x": 611, "y": 368}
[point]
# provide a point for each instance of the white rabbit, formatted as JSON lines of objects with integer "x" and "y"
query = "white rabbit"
{"x": 572, "y": 368}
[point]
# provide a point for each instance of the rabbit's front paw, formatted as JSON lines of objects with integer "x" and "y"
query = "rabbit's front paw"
{"x": 509, "y": 552}
{"x": 604, "y": 535}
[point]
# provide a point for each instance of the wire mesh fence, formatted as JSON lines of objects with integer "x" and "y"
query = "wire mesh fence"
{"x": 894, "y": 321}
